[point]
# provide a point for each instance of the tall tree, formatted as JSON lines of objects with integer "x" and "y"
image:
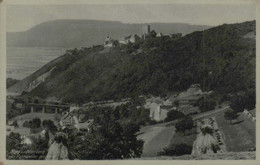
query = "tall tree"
{"x": 184, "y": 124}
{"x": 230, "y": 115}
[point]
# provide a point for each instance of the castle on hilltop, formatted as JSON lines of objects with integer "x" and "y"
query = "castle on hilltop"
{"x": 146, "y": 31}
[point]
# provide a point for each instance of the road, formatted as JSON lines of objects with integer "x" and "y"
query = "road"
{"x": 205, "y": 114}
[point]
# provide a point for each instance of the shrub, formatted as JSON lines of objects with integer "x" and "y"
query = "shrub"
{"x": 176, "y": 150}
{"x": 246, "y": 100}
{"x": 230, "y": 115}
{"x": 36, "y": 123}
{"x": 206, "y": 130}
{"x": 26, "y": 124}
{"x": 173, "y": 115}
{"x": 184, "y": 124}
{"x": 49, "y": 125}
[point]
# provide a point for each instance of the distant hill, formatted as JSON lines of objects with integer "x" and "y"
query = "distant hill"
{"x": 221, "y": 59}
{"x": 84, "y": 33}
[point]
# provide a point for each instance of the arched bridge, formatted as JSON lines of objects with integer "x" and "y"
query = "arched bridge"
{"x": 48, "y": 108}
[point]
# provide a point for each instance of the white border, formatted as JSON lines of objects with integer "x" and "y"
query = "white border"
{"x": 115, "y": 162}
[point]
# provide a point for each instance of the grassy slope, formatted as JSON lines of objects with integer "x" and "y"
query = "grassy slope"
{"x": 156, "y": 137}
{"x": 21, "y": 85}
{"x": 239, "y": 136}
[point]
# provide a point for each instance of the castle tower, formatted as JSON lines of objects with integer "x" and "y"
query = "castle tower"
{"x": 146, "y": 29}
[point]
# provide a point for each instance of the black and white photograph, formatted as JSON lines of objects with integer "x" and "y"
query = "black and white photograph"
{"x": 130, "y": 81}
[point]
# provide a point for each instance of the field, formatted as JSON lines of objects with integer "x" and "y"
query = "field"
{"x": 156, "y": 138}
{"x": 239, "y": 136}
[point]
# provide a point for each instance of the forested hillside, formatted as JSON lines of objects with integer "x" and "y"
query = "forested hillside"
{"x": 221, "y": 59}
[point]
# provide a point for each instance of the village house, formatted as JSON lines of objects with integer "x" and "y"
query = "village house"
{"x": 84, "y": 126}
{"x": 164, "y": 109}
{"x": 158, "y": 108}
{"x": 10, "y": 123}
{"x": 19, "y": 104}
{"x": 67, "y": 120}
{"x": 129, "y": 39}
{"x": 10, "y": 128}
{"x": 70, "y": 121}
{"x": 24, "y": 133}
{"x": 125, "y": 40}
{"x": 27, "y": 140}
{"x": 250, "y": 114}
{"x": 159, "y": 35}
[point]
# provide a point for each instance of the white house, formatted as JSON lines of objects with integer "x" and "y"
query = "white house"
{"x": 27, "y": 141}
{"x": 159, "y": 35}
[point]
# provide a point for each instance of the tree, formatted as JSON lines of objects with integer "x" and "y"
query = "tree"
{"x": 173, "y": 115}
{"x": 176, "y": 103}
{"x": 245, "y": 100}
{"x": 111, "y": 141}
{"x": 49, "y": 125}
{"x": 13, "y": 141}
{"x": 26, "y": 124}
{"x": 230, "y": 115}
{"x": 184, "y": 124}
{"x": 36, "y": 123}
{"x": 115, "y": 43}
{"x": 176, "y": 150}
{"x": 15, "y": 123}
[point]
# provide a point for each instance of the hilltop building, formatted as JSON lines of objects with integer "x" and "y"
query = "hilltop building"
{"x": 108, "y": 42}
{"x": 146, "y": 29}
{"x": 130, "y": 39}
{"x": 125, "y": 40}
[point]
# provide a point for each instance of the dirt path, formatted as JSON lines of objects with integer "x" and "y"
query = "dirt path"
{"x": 206, "y": 114}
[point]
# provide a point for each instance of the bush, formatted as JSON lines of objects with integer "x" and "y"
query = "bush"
{"x": 34, "y": 123}
{"x": 230, "y": 115}
{"x": 184, "y": 124}
{"x": 173, "y": 115}
{"x": 246, "y": 100}
{"x": 49, "y": 125}
{"x": 176, "y": 150}
{"x": 26, "y": 124}
{"x": 207, "y": 130}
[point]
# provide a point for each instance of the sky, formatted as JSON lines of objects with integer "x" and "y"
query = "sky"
{"x": 24, "y": 17}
